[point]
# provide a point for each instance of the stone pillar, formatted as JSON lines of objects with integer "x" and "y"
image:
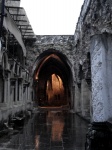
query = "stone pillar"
{"x": 16, "y": 92}
{"x": 28, "y": 93}
{"x": 85, "y": 99}
{"x": 77, "y": 99}
{"x": 99, "y": 133}
{"x": 5, "y": 90}
{"x": 25, "y": 93}
{"x": 8, "y": 91}
{"x": 18, "y": 96}
{"x": 101, "y": 68}
{"x": 1, "y": 89}
{"x": 72, "y": 97}
{"x": 22, "y": 93}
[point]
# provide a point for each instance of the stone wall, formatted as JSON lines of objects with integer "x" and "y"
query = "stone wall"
{"x": 95, "y": 19}
{"x": 62, "y": 43}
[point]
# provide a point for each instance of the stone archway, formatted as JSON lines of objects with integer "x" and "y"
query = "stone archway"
{"x": 53, "y": 79}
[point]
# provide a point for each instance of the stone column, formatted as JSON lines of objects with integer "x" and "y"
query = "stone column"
{"x": 77, "y": 99}
{"x": 1, "y": 89}
{"x": 5, "y": 90}
{"x": 27, "y": 93}
{"x": 74, "y": 98}
{"x": 22, "y": 93}
{"x": 101, "y": 68}
{"x": 85, "y": 98}
{"x": 16, "y": 88}
{"x": 8, "y": 92}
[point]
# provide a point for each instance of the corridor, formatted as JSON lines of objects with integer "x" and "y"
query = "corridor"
{"x": 48, "y": 130}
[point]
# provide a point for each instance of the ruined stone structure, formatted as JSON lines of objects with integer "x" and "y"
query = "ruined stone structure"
{"x": 93, "y": 48}
{"x": 89, "y": 61}
{"x": 15, "y": 87}
{"x": 52, "y": 55}
{"x": 80, "y": 65}
{"x": 93, "y": 37}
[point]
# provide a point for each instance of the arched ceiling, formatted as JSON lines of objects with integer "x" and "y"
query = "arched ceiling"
{"x": 52, "y": 62}
{"x": 48, "y": 63}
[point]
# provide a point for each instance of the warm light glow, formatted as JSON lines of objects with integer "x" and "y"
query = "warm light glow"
{"x": 57, "y": 129}
{"x": 37, "y": 142}
{"x": 45, "y": 60}
{"x": 57, "y": 122}
{"x": 36, "y": 77}
{"x": 55, "y": 90}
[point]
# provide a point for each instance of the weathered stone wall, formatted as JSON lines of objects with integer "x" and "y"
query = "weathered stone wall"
{"x": 62, "y": 43}
{"x": 95, "y": 19}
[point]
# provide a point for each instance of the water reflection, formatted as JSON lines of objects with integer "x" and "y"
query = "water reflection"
{"x": 36, "y": 142}
{"x": 56, "y": 119}
{"x": 52, "y": 130}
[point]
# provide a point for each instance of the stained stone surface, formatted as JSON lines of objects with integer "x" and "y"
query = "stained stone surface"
{"x": 61, "y": 43}
{"x": 50, "y": 130}
{"x": 101, "y": 77}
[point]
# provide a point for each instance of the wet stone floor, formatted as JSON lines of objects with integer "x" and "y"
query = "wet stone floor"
{"x": 48, "y": 130}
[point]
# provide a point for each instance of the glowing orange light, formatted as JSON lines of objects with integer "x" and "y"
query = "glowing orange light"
{"x": 57, "y": 122}
{"x": 55, "y": 89}
{"x": 36, "y": 77}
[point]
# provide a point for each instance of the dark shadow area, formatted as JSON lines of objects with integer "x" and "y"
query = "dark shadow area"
{"x": 52, "y": 79}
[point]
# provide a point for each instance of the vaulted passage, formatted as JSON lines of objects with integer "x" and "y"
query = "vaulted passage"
{"x": 52, "y": 80}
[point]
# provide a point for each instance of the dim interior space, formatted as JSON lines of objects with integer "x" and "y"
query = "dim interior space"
{"x": 52, "y": 80}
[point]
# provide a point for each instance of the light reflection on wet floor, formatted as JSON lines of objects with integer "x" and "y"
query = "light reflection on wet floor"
{"x": 50, "y": 130}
